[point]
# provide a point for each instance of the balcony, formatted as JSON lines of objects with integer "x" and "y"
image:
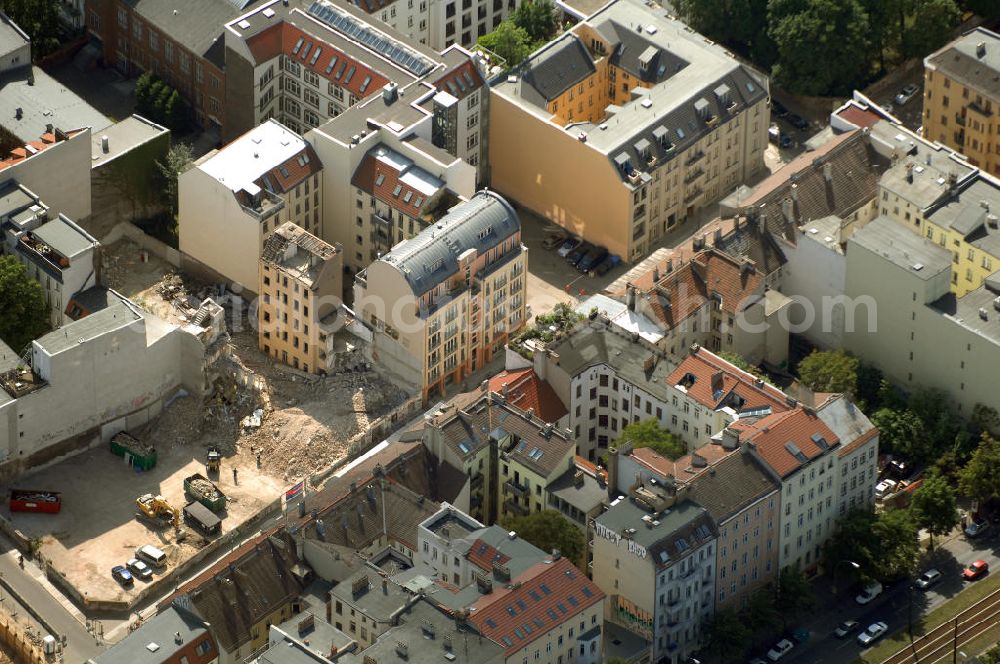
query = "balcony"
{"x": 517, "y": 489}
{"x": 960, "y": 119}
{"x": 516, "y": 508}
{"x": 477, "y": 481}
{"x": 691, "y": 196}
{"x": 695, "y": 158}
{"x": 693, "y": 175}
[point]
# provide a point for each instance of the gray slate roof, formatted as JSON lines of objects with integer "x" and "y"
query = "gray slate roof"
{"x": 682, "y": 529}
{"x": 65, "y": 236}
{"x": 557, "y": 69}
{"x": 967, "y": 214}
{"x": 431, "y": 257}
{"x": 733, "y": 483}
{"x": 960, "y": 61}
{"x": 194, "y": 24}
{"x": 161, "y": 630}
{"x": 102, "y": 322}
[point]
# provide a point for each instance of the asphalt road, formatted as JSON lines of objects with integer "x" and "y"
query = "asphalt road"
{"x": 893, "y": 606}
{"x": 80, "y": 644}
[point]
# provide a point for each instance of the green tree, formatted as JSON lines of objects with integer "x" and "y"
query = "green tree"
{"x": 538, "y": 18}
{"x": 22, "y": 301}
{"x": 868, "y": 385}
{"x": 760, "y": 614}
{"x": 902, "y": 432}
{"x": 728, "y": 635}
{"x": 829, "y": 371}
{"x": 980, "y": 479}
{"x": 795, "y": 595}
{"x": 741, "y": 24}
{"x": 984, "y": 419}
{"x": 649, "y": 433}
{"x": 178, "y": 159}
{"x": 550, "y": 530}
{"x": 934, "y": 408}
{"x": 509, "y": 41}
{"x": 175, "y": 113}
{"x": 740, "y": 362}
{"x": 933, "y": 505}
{"x": 40, "y": 20}
{"x": 984, "y": 8}
{"x": 929, "y": 26}
{"x": 822, "y": 45}
{"x": 143, "y": 88}
{"x": 898, "y": 544}
{"x": 855, "y": 542}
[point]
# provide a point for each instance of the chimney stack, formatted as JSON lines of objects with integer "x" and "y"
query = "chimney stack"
{"x": 828, "y": 171}
{"x": 981, "y": 50}
{"x": 630, "y": 296}
{"x": 909, "y": 173}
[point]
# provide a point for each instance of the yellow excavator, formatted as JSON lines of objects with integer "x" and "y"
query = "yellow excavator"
{"x": 157, "y": 510}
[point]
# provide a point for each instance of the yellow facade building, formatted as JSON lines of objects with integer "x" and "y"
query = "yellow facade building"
{"x": 962, "y": 98}
{"x": 625, "y": 126}
{"x": 301, "y": 290}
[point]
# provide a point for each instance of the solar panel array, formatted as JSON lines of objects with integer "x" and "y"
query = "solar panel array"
{"x": 378, "y": 42}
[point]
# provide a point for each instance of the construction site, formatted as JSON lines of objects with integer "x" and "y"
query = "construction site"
{"x": 270, "y": 425}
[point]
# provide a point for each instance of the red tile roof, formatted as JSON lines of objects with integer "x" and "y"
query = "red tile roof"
{"x": 281, "y": 40}
{"x": 861, "y": 117}
{"x": 526, "y": 390}
{"x": 288, "y": 175}
{"x": 381, "y": 180}
{"x": 787, "y": 441}
{"x": 21, "y": 153}
{"x": 543, "y": 597}
{"x": 684, "y": 468}
{"x": 710, "y": 273}
{"x": 704, "y": 366}
{"x": 461, "y": 81}
{"x": 482, "y": 555}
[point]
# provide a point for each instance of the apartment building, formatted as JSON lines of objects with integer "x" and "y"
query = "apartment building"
{"x": 178, "y": 635}
{"x": 55, "y": 167}
{"x": 509, "y": 456}
{"x": 620, "y": 134}
{"x": 178, "y": 40}
{"x": 363, "y": 604}
{"x": 717, "y": 301}
{"x": 438, "y": 23}
{"x": 63, "y": 258}
{"x": 961, "y": 95}
{"x": 304, "y": 66}
{"x": 550, "y": 613}
{"x": 267, "y": 177}
{"x": 654, "y": 557}
{"x": 931, "y": 337}
{"x": 300, "y": 292}
{"x": 451, "y": 297}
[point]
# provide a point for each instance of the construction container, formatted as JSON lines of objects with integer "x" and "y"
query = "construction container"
{"x": 26, "y": 500}
{"x": 136, "y": 453}
{"x": 200, "y": 488}
{"x": 202, "y": 519}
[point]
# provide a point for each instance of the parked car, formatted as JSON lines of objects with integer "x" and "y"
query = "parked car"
{"x": 885, "y": 488}
{"x": 778, "y": 108}
{"x": 845, "y": 628}
{"x": 785, "y": 141}
{"x": 798, "y": 121}
{"x": 592, "y": 259}
{"x": 780, "y": 649}
{"x": 122, "y": 575}
{"x": 928, "y": 579}
{"x": 800, "y": 635}
{"x": 976, "y": 528}
{"x": 554, "y": 240}
{"x": 139, "y": 569}
{"x": 874, "y": 631}
{"x": 569, "y": 245}
{"x": 577, "y": 254}
{"x": 605, "y": 265}
{"x": 871, "y": 591}
{"x": 906, "y": 94}
{"x": 975, "y": 570}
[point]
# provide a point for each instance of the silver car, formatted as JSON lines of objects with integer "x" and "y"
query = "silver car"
{"x": 874, "y": 631}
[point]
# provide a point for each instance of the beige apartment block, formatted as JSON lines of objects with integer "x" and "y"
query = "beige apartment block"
{"x": 446, "y": 301}
{"x": 301, "y": 289}
{"x": 232, "y": 198}
{"x": 962, "y": 98}
{"x": 625, "y": 126}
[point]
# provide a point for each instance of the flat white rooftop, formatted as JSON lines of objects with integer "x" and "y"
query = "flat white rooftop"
{"x": 253, "y": 154}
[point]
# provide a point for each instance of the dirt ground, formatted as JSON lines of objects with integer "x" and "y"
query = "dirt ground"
{"x": 307, "y": 424}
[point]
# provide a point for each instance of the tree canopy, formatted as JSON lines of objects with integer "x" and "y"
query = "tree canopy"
{"x": 538, "y": 18}
{"x": 159, "y": 102}
{"x": 649, "y": 433}
{"x": 933, "y": 505}
{"x": 22, "y": 301}
{"x": 829, "y": 371}
{"x": 884, "y": 546}
{"x": 509, "y": 41}
{"x": 178, "y": 159}
{"x": 550, "y": 530}
{"x": 40, "y": 21}
{"x": 795, "y": 595}
{"x": 728, "y": 635}
{"x": 902, "y": 432}
{"x": 980, "y": 479}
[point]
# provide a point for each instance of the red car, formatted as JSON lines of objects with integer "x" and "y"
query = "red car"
{"x": 975, "y": 570}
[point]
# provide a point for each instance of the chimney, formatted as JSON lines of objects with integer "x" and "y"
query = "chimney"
{"x": 698, "y": 461}
{"x": 105, "y": 144}
{"x": 717, "y": 381}
{"x": 981, "y": 50}
{"x": 504, "y": 389}
{"x": 385, "y": 587}
{"x": 656, "y": 273}
{"x": 909, "y": 173}
{"x": 18, "y": 113}
{"x": 828, "y": 171}
{"x": 390, "y": 93}
{"x": 717, "y": 237}
{"x": 730, "y": 439}
{"x": 952, "y": 181}
{"x": 612, "y": 471}
{"x": 630, "y": 296}
{"x": 795, "y": 193}
{"x": 985, "y": 205}
{"x": 762, "y": 218}
{"x": 670, "y": 265}
{"x": 788, "y": 209}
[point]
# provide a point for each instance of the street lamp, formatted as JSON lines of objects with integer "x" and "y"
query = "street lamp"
{"x": 836, "y": 568}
